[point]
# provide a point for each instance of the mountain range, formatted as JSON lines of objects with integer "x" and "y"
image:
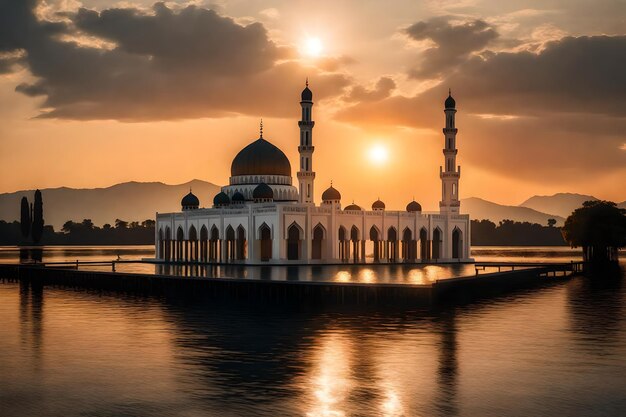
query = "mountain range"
{"x": 138, "y": 201}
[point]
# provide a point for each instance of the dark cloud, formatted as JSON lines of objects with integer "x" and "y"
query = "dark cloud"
{"x": 383, "y": 89}
{"x": 170, "y": 64}
{"x": 453, "y": 43}
{"x": 536, "y": 116}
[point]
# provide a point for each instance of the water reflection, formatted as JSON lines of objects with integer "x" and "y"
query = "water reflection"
{"x": 74, "y": 353}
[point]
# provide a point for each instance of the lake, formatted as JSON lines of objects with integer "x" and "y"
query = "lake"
{"x": 555, "y": 351}
{"x": 414, "y": 274}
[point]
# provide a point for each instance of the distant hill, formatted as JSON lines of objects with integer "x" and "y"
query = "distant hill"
{"x": 130, "y": 201}
{"x": 561, "y": 204}
{"x": 138, "y": 201}
{"x": 482, "y": 209}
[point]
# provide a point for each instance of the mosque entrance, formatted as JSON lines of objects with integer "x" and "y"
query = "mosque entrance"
{"x": 293, "y": 243}
{"x": 318, "y": 238}
{"x": 457, "y": 244}
{"x": 266, "y": 243}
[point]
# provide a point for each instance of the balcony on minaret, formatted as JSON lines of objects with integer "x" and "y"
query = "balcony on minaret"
{"x": 309, "y": 148}
{"x": 450, "y": 130}
{"x": 304, "y": 123}
{"x": 306, "y": 174}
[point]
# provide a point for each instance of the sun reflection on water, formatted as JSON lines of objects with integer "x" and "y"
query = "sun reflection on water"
{"x": 331, "y": 381}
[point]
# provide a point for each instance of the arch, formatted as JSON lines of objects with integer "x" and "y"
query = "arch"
{"x": 436, "y": 243}
{"x": 344, "y": 244}
{"x": 408, "y": 245}
{"x": 342, "y": 233}
{"x": 423, "y": 243}
{"x": 392, "y": 244}
{"x": 354, "y": 233}
{"x": 374, "y": 233}
{"x": 160, "y": 233}
{"x": 356, "y": 244}
{"x": 204, "y": 240}
{"x": 193, "y": 234}
{"x": 375, "y": 238}
{"x": 241, "y": 243}
{"x": 319, "y": 234}
{"x": 215, "y": 233}
{"x": 229, "y": 249}
{"x": 265, "y": 236}
{"x": 293, "y": 242}
{"x": 457, "y": 243}
{"x": 180, "y": 244}
{"x": 214, "y": 244}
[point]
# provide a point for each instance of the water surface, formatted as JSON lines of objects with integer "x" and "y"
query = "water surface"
{"x": 554, "y": 351}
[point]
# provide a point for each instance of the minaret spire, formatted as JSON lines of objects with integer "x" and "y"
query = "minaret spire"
{"x": 450, "y": 173}
{"x": 306, "y": 175}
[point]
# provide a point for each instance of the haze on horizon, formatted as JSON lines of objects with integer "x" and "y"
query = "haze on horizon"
{"x": 94, "y": 92}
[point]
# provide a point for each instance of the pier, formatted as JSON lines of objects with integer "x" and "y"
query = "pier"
{"x": 506, "y": 277}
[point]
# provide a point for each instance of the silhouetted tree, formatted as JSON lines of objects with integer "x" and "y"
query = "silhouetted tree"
{"x": 68, "y": 226}
{"x": 120, "y": 224}
{"x": 87, "y": 223}
{"x": 106, "y": 226}
{"x": 599, "y": 227}
{"x": 37, "y": 227}
{"x": 551, "y": 222}
{"x": 25, "y": 220}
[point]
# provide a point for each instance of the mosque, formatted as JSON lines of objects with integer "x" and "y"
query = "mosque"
{"x": 261, "y": 217}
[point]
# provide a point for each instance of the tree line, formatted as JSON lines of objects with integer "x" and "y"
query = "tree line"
{"x": 511, "y": 233}
{"x": 83, "y": 233}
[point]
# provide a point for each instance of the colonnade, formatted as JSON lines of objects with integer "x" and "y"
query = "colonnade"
{"x": 351, "y": 247}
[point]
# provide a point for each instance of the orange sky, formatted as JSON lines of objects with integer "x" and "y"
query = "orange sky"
{"x": 514, "y": 141}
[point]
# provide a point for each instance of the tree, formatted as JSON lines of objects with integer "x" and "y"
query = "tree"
{"x": 25, "y": 220}
{"x": 599, "y": 227}
{"x": 87, "y": 224}
{"x": 68, "y": 226}
{"x": 120, "y": 224}
{"x": 551, "y": 222}
{"x": 37, "y": 227}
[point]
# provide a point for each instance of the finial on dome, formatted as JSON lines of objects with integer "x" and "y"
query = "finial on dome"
{"x": 261, "y": 128}
{"x": 331, "y": 183}
{"x": 307, "y": 81}
{"x": 449, "y": 91}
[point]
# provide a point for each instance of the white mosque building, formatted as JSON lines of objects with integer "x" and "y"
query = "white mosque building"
{"x": 261, "y": 217}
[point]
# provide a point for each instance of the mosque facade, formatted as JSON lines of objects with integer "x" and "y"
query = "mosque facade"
{"x": 262, "y": 217}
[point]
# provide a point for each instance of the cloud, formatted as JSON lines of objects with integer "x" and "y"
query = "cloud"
{"x": 542, "y": 116}
{"x": 383, "y": 89}
{"x": 170, "y": 63}
{"x": 450, "y": 43}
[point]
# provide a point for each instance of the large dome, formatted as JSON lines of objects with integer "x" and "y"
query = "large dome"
{"x": 260, "y": 158}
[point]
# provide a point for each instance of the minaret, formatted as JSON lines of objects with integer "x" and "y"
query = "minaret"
{"x": 451, "y": 173}
{"x": 306, "y": 175}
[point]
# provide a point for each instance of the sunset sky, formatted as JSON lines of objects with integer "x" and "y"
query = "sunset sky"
{"x": 97, "y": 92}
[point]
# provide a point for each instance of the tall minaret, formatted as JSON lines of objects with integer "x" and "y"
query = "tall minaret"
{"x": 306, "y": 175}
{"x": 451, "y": 173}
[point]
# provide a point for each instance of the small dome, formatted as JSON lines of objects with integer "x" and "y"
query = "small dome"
{"x": 260, "y": 158}
{"x": 450, "y": 103}
{"x": 307, "y": 95}
{"x": 263, "y": 192}
{"x": 238, "y": 198}
{"x": 378, "y": 205}
{"x": 221, "y": 199}
{"x": 330, "y": 194}
{"x": 190, "y": 201}
{"x": 413, "y": 206}
{"x": 352, "y": 207}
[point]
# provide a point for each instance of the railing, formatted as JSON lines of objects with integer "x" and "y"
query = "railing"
{"x": 548, "y": 268}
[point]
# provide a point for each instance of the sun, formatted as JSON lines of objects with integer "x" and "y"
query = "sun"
{"x": 313, "y": 47}
{"x": 378, "y": 154}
